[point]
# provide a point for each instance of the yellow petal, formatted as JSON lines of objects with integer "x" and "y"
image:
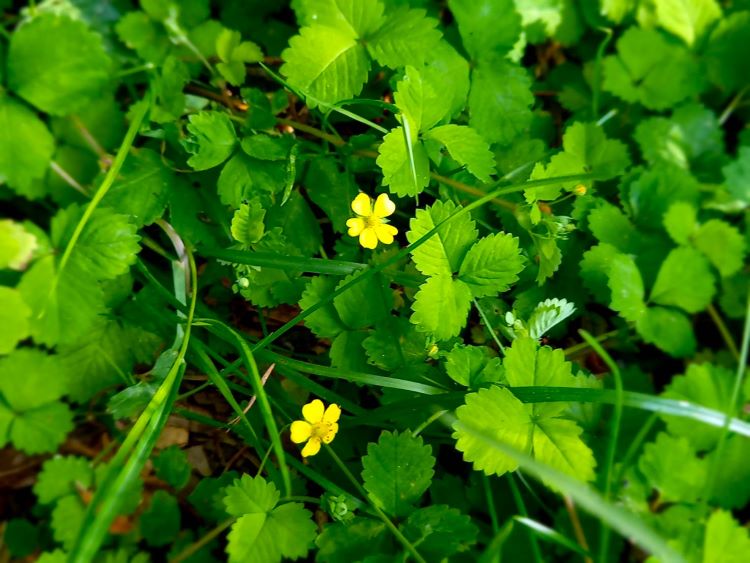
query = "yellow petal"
{"x": 331, "y": 434}
{"x": 332, "y": 414}
{"x": 385, "y": 233}
{"x": 383, "y": 206}
{"x": 311, "y": 448}
{"x": 301, "y": 431}
{"x": 368, "y": 238}
{"x": 313, "y": 412}
{"x": 356, "y": 226}
{"x": 362, "y": 205}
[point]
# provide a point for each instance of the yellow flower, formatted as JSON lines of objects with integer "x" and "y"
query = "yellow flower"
{"x": 580, "y": 189}
{"x": 371, "y": 225}
{"x": 320, "y": 425}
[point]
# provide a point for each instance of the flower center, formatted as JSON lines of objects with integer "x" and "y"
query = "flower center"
{"x": 372, "y": 221}
{"x": 320, "y": 429}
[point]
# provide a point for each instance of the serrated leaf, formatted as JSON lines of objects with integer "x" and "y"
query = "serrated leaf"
{"x": 687, "y": 19}
{"x": 327, "y": 64}
{"x": 499, "y": 413}
{"x": 67, "y": 518}
{"x": 472, "y": 366}
{"x": 548, "y": 314}
{"x": 331, "y": 189}
{"x": 680, "y": 221}
{"x": 244, "y": 177}
{"x": 650, "y": 70}
{"x": 144, "y": 35}
{"x": 651, "y": 194}
{"x": 448, "y": 72}
{"x": 722, "y": 244}
{"x": 529, "y": 365}
{"x": 725, "y": 61}
{"x": 491, "y": 265}
{"x": 26, "y": 145}
{"x": 610, "y": 225}
{"x": 467, "y": 148}
{"x": 212, "y": 139}
{"x": 737, "y": 175}
{"x": 449, "y": 318}
{"x": 61, "y": 476}
{"x": 57, "y": 64}
{"x": 340, "y": 543}
{"x": 247, "y": 223}
{"x": 731, "y": 488}
{"x": 14, "y": 319}
{"x": 417, "y": 95}
{"x": 395, "y": 343}
{"x": 360, "y": 18}
{"x": 671, "y": 466}
{"x": 405, "y": 38}
{"x": 325, "y": 322}
{"x": 440, "y": 531}
{"x": 487, "y": 27}
{"x": 444, "y": 252}
{"x": 364, "y": 304}
{"x": 263, "y": 533}
{"x": 346, "y": 351}
{"x": 160, "y": 522}
{"x": 266, "y": 147}
{"x": 402, "y": 175}
{"x": 397, "y": 471}
{"x": 702, "y": 384}
{"x": 172, "y": 466}
{"x": 684, "y": 281}
{"x": 594, "y": 271}
{"x": 37, "y": 430}
{"x": 298, "y": 224}
{"x": 668, "y": 329}
{"x": 626, "y": 284}
{"x": 500, "y": 100}
{"x": 725, "y": 540}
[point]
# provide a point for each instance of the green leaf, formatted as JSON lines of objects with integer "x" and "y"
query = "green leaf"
{"x": 107, "y": 247}
{"x": 491, "y": 265}
{"x": 651, "y": 194}
{"x": 141, "y": 188}
{"x": 595, "y": 271}
{"x": 340, "y": 543}
{"x": 244, "y": 177}
{"x": 263, "y": 533}
{"x": 448, "y": 73}
{"x": 360, "y": 18}
{"x": 142, "y": 34}
{"x": 401, "y": 177}
{"x": 405, "y": 38}
{"x": 466, "y": 147}
{"x": 500, "y": 100}
{"x": 441, "y": 306}
{"x": 17, "y": 245}
{"x": 725, "y": 61}
{"x": 325, "y": 322}
{"x": 21, "y": 537}
{"x": 586, "y": 149}
{"x": 67, "y": 518}
{"x": 444, "y": 252}
{"x": 160, "y": 522}
{"x": 722, "y": 244}
{"x": 327, "y": 64}
{"x": 26, "y": 145}
{"x": 208, "y": 496}
{"x": 687, "y": 19}
{"x": 548, "y": 314}
{"x": 611, "y": 226}
{"x": 212, "y": 139}
{"x": 364, "y": 304}
{"x": 680, "y": 221}
{"x": 650, "y": 70}
{"x": 28, "y": 379}
{"x": 626, "y": 285}
{"x": 440, "y": 532}
{"x": 397, "y": 471}
{"x": 731, "y": 488}
{"x": 529, "y": 365}
{"x": 472, "y": 366}
{"x": 332, "y": 190}
{"x": 247, "y": 223}
{"x": 497, "y": 412}
{"x": 672, "y": 468}
{"x": 298, "y": 223}
{"x": 61, "y": 476}
{"x": 395, "y": 343}
{"x": 725, "y": 540}
{"x": 684, "y": 281}
{"x": 487, "y": 27}
{"x": 668, "y": 329}
{"x": 168, "y": 89}
{"x": 702, "y": 384}
{"x": 418, "y": 95}
{"x": 14, "y": 319}
{"x": 265, "y": 147}
{"x": 736, "y": 175}
{"x": 171, "y": 465}
{"x": 234, "y": 53}
{"x": 57, "y": 64}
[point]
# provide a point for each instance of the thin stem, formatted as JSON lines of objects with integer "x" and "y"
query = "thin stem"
{"x": 572, "y": 350}
{"x": 732, "y": 106}
{"x": 472, "y": 190}
{"x": 486, "y": 322}
{"x": 577, "y": 528}
{"x": 521, "y": 506}
{"x": 387, "y": 521}
{"x": 67, "y": 178}
{"x": 724, "y": 331}
{"x": 89, "y": 138}
{"x": 596, "y": 86}
{"x": 135, "y": 69}
{"x": 635, "y": 445}
{"x": 433, "y": 417}
{"x": 490, "y": 504}
{"x": 310, "y": 130}
{"x": 205, "y": 539}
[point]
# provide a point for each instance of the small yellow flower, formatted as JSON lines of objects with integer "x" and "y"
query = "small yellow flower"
{"x": 371, "y": 225}
{"x": 580, "y": 189}
{"x": 320, "y": 425}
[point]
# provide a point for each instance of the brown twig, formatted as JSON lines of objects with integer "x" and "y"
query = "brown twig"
{"x": 251, "y": 402}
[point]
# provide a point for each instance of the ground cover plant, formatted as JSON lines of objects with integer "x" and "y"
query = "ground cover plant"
{"x": 374, "y": 280}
